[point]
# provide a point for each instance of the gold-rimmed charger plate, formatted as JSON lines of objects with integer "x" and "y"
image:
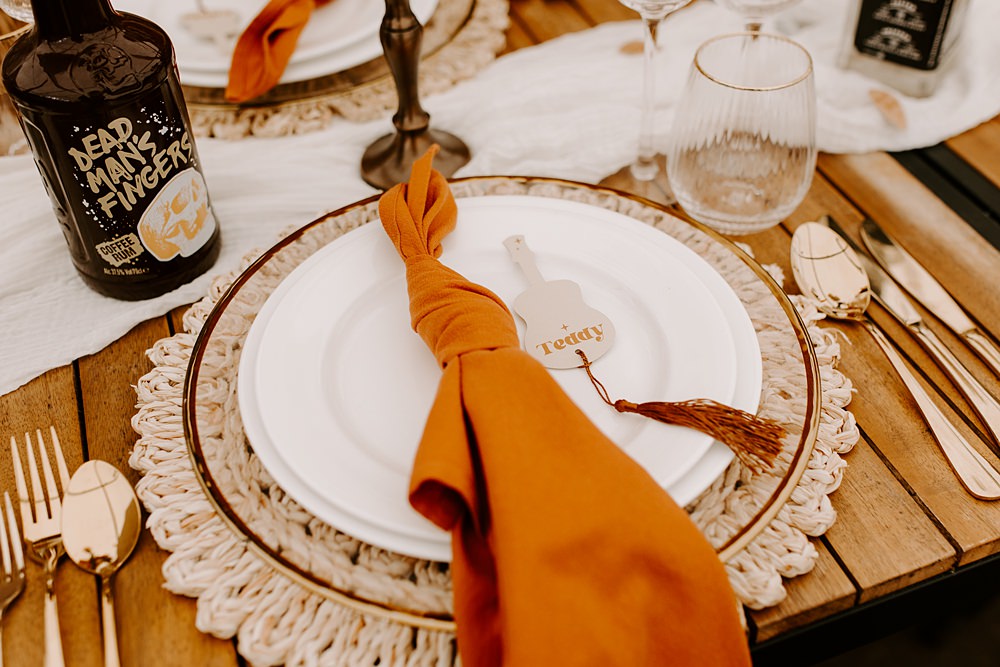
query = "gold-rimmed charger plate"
{"x": 404, "y": 589}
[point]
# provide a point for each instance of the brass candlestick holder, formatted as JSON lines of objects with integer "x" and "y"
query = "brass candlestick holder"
{"x": 387, "y": 161}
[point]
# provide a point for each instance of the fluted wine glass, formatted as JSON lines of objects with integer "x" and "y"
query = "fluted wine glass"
{"x": 743, "y": 144}
{"x": 755, "y": 11}
{"x": 652, "y": 13}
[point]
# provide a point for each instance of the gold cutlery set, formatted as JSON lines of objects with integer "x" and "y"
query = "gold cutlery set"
{"x": 841, "y": 277}
{"x": 95, "y": 519}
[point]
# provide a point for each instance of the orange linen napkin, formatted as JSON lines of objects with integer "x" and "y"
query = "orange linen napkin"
{"x": 265, "y": 47}
{"x": 565, "y": 551}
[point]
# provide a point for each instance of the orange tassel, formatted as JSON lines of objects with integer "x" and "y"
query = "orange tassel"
{"x": 754, "y": 440}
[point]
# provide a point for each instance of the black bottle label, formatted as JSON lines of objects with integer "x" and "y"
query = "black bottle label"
{"x": 906, "y": 32}
{"x": 125, "y": 181}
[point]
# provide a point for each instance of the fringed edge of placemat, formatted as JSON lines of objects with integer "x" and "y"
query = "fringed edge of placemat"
{"x": 473, "y": 47}
{"x": 276, "y": 620}
{"x": 783, "y": 550}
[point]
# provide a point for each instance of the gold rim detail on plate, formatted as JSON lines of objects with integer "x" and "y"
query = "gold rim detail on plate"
{"x": 797, "y": 463}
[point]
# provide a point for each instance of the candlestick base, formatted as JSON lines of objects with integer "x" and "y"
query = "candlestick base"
{"x": 388, "y": 160}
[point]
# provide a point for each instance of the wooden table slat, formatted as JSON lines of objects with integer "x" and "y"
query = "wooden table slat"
{"x": 980, "y": 148}
{"x": 517, "y": 36}
{"x": 176, "y": 318}
{"x": 825, "y": 591}
{"x": 602, "y": 11}
{"x": 882, "y": 535}
{"x": 543, "y": 20}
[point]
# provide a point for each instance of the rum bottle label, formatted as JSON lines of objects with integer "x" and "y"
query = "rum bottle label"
{"x": 906, "y": 32}
{"x": 104, "y": 115}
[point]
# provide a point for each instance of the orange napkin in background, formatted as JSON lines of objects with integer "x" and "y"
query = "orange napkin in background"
{"x": 265, "y": 47}
{"x": 565, "y": 551}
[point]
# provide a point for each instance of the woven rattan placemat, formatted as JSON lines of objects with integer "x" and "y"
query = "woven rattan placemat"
{"x": 298, "y": 591}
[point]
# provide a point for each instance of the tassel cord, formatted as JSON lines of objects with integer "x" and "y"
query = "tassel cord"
{"x": 754, "y": 440}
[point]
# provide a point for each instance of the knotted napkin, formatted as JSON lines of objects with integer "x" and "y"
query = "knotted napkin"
{"x": 565, "y": 551}
{"x": 265, "y": 47}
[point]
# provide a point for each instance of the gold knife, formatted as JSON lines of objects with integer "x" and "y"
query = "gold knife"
{"x": 928, "y": 291}
{"x": 892, "y": 298}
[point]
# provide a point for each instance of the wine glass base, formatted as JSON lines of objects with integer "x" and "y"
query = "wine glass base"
{"x": 656, "y": 189}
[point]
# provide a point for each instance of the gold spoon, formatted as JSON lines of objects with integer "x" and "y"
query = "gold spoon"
{"x": 827, "y": 270}
{"x": 101, "y": 521}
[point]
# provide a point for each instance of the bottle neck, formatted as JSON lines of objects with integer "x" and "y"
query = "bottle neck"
{"x": 58, "y": 19}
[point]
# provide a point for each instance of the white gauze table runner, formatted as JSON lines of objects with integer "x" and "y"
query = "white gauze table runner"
{"x": 567, "y": 108}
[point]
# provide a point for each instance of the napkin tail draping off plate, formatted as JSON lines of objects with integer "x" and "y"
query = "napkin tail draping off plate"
{"x": 565, "y": 551}
{"x": 265, "y": 47}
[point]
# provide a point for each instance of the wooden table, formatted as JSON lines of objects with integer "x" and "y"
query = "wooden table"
{"x": 907, "y": 536}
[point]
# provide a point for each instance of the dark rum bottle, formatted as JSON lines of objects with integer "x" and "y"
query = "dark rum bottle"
{"x": 103, "y": 113}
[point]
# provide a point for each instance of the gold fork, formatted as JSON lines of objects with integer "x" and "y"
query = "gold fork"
{"x": 11, "y": 562}
{"x": 42, "y": 529}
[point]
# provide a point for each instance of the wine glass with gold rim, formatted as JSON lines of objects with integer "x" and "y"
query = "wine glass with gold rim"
{"x": 743, "y": 145}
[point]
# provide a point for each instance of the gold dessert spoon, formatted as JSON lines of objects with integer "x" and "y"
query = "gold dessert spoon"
{"x": 101, "y": 521}
{"x": 827, "y": 271}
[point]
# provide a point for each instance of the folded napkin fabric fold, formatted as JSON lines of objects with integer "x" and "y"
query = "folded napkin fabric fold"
{"x": 263, "y": 50}
{"x": 565, "y": 551}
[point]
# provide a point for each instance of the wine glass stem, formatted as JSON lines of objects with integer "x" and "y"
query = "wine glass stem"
{"x": 644, "y": 168}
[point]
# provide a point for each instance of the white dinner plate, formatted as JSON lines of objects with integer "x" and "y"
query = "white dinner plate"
{"x": 338, "y": 36}
{"x": 334, "y": 387}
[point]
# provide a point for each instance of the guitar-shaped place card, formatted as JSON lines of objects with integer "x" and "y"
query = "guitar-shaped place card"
{"x": 564, "y": 332}
{"x": 558, "y": 320}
